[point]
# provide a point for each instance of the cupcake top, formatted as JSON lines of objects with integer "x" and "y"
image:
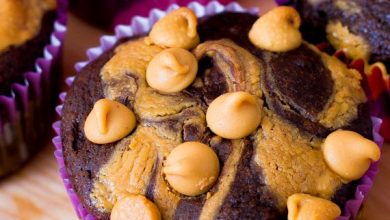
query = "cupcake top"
{"x": 21, "y": 20}
{"x": 249, "y": 137}
{"x": 25, "y": 29}
{"x": 360, "y": 27}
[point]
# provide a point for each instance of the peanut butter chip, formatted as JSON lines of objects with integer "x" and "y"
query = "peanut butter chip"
{"x": 172, "y": 70}
{"x": 277, "y": 30}
{"x": 349, "y": 154}
{"x": 135, "y": 207}
{"x": 234, "y": 115}
{"x": 109, "y": 121}
{"x": 191, "y": 168}
{"x": 177, "y": 29}
{"x": 302, "y": 207}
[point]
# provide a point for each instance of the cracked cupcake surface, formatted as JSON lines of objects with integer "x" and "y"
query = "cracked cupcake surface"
{"x": 301, "y": 94}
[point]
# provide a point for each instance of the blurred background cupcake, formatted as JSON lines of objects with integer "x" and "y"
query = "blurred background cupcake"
{"x": 361, "y": 29}
{"x": 107, "y": 14}
{"x": 31, "y": 34}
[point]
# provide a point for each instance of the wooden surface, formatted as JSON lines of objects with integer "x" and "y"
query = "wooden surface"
{"x": 36, "y": 192}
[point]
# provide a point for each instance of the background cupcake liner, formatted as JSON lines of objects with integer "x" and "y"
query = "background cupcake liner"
{"x": 378, "y": 85}
{"x": 20, "y": 108}
{"x": 142, "y": 8}
{"x": 121, "y": 11}
{"x": 140, "y": 25}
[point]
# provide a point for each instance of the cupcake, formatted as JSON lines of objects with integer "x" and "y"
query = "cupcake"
{"x": 359, "y": 28}
{"x": 120, "y": 11}
{"x": 30, "y": 42}
{"x": 216, "y": 117}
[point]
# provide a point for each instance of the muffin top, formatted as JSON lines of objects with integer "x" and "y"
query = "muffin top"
{"x": 21, "y": 20}
{"x": 243, "y": 140}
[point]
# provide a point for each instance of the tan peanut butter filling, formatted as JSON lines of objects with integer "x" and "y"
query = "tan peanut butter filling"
{"x": 277, "y": 30}
{"x": 348, "y": 94}
{"x": 109, "y": 121}
{"x": 140, "y": 156}
{"x": 241, "y": 68}
{"x": 172, "y": 70}
{"x": 234, "y": 115}
{"x": 347, "y": 6}
{"x": 176, "y": 29}
{"x": 21, "y": 20}
{"x": 135, "y": 207}
{"x": 191, "y": 168}
{"x": 342, "y": 39}
{"x": 303, "y": 206}
{"x": 315, "y": 2}
{"x": 228, "y": 174}
{"x": 349, "y": 154}
{"x": 287, "y": 157}
{"x": 127, "y": 171}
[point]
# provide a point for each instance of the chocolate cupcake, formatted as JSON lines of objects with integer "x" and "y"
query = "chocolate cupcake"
{"x": 30, "y": 42}
{"x": 120, "y": 11}
{"x": 213, "y": 120}
{"x": 360, "y": 27}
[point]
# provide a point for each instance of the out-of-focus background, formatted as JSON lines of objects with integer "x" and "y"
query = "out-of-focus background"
{"x": 37, "y": 192}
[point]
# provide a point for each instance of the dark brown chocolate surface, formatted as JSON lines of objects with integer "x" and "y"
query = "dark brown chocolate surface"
{"x": 83, "y": 158}
{"x": 372, "y": 23}
{"x": 248, "y": 198}
{"x": 298, "y": 87}
{"x": 15, "y": 61}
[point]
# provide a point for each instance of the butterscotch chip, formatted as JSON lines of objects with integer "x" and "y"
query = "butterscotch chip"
{"x": 109, "y": 121}
{"x": 234, "y": 115}
{"x": 177, "y": 29}
{"x": 277, "y": 30}
{"x": 191, "y": 168}
{"x": 302, "y": 207}
{"x": 349, "y": 154}
{"x": 172, "y": 70}
{"x": 135, "y": 207}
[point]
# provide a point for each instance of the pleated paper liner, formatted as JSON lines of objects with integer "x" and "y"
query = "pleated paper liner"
{"x": 24, "y": 109}
{"x": 118, "y": 12}
{"x": 141, "y": 25}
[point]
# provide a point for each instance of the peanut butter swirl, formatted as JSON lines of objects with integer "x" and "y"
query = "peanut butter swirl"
{"x": 258, "y": 173}
{"x": 21, "y": 20}
{"x": 241, "y": 68}
{"x": 165, "y": 120}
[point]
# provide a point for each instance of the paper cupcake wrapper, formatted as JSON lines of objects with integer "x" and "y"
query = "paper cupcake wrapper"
{"x": 25, "y": 99}
{"x": 378, "y": 81}
{"x": 120, "y": 12}
{"x": 142, "y": 8}
{"x": 284, "y": 2}
{"x": 141, "y": 25}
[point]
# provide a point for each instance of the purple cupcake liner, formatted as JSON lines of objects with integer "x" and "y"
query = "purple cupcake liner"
{"x": 284, "y": 2}
{"x": 25, "y": 98}
{"x": 121, "y": 11}
{"x": 141, "y": 25}
{"x": 142, "y": 8}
